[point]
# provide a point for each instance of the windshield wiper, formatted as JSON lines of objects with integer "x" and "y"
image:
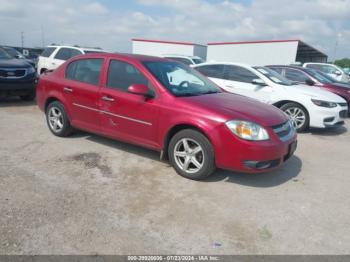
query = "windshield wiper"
{"x": 188, "y": 94}
{"x": 210, "y": 92}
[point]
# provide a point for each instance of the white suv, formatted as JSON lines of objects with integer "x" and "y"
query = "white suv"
{"x": 306, "y": 106}
{"x": 187, "y": 60}
{"x": 53, "y": 56}
{"x": 332, "y": 70}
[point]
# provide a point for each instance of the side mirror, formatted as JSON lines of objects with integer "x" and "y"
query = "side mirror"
{"x": 338, "y": 73}
{"x": 259, "y": 82}
{"x": 140, "y": 89}
{"x": 309, "y": 82}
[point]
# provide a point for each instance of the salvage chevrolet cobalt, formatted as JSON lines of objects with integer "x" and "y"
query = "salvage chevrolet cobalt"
{"x": 165, "y": 106}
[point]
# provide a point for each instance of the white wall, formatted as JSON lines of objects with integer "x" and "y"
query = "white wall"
{"x": 254, "y": 53}
{"x": 158, "y": 49}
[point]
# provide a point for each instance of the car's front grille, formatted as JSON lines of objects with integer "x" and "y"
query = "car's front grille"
{"x": 343, "y": 104}
{"x": 284, "y": 131}
{"x": 343, "y": 113}
{"x": 12, "y": 72}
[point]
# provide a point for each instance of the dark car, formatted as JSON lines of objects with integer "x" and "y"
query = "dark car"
{"x": 16, "y": 54}
{"x": 313, "y": 77}
{"x": 17, "y": 77}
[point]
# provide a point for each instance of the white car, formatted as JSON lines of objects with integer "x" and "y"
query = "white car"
{"x": 53, "y": 56}
{"x": 332, "y": 70}
{"x": 307, "y": 106}
{"x": 187, "y": 60}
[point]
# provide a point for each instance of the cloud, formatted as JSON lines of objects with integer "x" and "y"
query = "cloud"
{"x": 97, "y": 23}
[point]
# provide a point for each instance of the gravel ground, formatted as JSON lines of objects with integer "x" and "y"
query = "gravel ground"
{"x": 90, "y": 195}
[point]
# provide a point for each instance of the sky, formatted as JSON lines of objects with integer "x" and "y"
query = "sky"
{"x": 110, "y": 24}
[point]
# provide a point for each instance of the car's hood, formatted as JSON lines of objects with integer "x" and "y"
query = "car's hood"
{"x": 316, "y": 93}
{"x": 237, "y": 107}
{"x": 13, "y": 63}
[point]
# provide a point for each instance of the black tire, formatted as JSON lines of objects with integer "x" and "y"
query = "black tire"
{"x": 292, "y": 105}
{"x": 66, "y": 128}
{"x": 206, "y": 154}
{"x": 28, "y": 97}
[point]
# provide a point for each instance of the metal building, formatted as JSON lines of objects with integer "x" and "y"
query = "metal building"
{"x": 159, "y": 48}
{"x": 265, "y": 52}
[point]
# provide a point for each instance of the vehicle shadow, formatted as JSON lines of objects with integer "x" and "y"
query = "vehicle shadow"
{"x": 290, "y": 170}
{"x": 15, "y": 102}
{"x": 335, "y": 131}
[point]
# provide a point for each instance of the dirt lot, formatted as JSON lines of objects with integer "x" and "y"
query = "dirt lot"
{"x": 87, "y": 194}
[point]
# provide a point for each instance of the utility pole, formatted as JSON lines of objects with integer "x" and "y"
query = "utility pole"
{"x": 22, "y": 38}
{"x": 42, "y": 36}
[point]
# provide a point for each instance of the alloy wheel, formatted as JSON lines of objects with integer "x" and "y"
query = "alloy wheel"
{"x": 55, "y": 119}
{"x": 189, "y": 155}
{"x": 297, "y": 116}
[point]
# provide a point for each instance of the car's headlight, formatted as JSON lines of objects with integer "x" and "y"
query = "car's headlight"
{"x": 30, "y": 70}
{"x": 247, "y": 130}
{"x": 324, "y": 103}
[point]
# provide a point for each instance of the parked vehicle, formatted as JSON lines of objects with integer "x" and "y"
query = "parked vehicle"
{"x": 306, "y": 106}
{"x": 187, "y": 60}
{"x": 53, "y": 56}
{"x": 17, "y": 55}
{"x": 332, "y": 70}
{"x": 17, "y": 77}
{"x": 166, "y": 106}
{"x": 312, "y": 77}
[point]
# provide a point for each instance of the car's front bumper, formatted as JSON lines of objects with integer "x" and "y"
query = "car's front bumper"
{"x": 322, "y": 117}
{"x": 244, "y": 156}
{"x": 13, "y": 88}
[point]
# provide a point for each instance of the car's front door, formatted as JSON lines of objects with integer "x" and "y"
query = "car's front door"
{"x": 127, "y": 116}
{"x": 239, "y": 80}
{"x": 215, "y": 72}
{"x": 82, "y": 90}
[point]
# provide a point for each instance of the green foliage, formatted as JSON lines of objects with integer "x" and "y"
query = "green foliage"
{"x": 345, "y": 62}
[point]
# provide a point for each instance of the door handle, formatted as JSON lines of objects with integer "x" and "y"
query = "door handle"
{"x": 107, "y": 98}
{"x": 68, "y": 90}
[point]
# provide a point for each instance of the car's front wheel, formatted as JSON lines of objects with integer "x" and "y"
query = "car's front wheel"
{"x": 57, "y": 119}
{"x": 298, "y": 114}
{"x": 191, "y": 154}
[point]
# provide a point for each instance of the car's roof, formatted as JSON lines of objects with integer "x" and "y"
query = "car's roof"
{"x": 288, "y": 66}
{"x": 133, "y": 57}
{"x": 77, "y": 47}
{"x": 224, "y": 63}
{"x": 184, "y": 56}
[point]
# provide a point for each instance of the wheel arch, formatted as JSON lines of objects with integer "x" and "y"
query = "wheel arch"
{"x": 174, "y": 130}
{"x": 281, "y": 103}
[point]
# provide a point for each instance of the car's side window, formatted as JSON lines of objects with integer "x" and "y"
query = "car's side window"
{"x": 66, "y": 53}
{"x": 85, "y": 70}
{"x": 121, "y": 75}
{"x": 181, "y": 60}
{"x": 296, "y": 75}
{"x": 215, "y": 71}
{"x": 239, "y": 74}
{"x": 48, "y": 51}
{"x": 277, "y": 69}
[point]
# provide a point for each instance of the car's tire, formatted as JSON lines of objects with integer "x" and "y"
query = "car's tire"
{"x": 57, "y": 120}
{"x": 191, "y": 154}
{"x": 298, "y": 114}
{"x": 28, "y": 97}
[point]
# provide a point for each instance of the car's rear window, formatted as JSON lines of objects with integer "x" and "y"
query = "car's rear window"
{"x": 48, "y": 51}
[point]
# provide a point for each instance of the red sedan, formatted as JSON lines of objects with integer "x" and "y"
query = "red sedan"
{"x": 169, "y": 107}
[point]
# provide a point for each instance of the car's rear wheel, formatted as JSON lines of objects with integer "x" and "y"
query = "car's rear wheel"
{"x": 191, "y": 154}
{"x": 298, "y": 114}
{"x": 57, "y": 119}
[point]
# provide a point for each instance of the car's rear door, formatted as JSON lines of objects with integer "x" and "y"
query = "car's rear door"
{"x": 127, "y": 116}
{"x": 82, "y": 90}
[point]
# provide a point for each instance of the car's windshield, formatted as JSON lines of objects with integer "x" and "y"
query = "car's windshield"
{"x": 12, "y": 52}
{"x": 179, "y": 79}
{"x": 4, "y": 55}
{"x": 318, "y": 76}
{"x": 197, "y": 60}
{"x": 274, "y": 76}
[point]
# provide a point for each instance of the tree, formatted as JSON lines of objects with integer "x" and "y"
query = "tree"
{"x": 345, "y": 62}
